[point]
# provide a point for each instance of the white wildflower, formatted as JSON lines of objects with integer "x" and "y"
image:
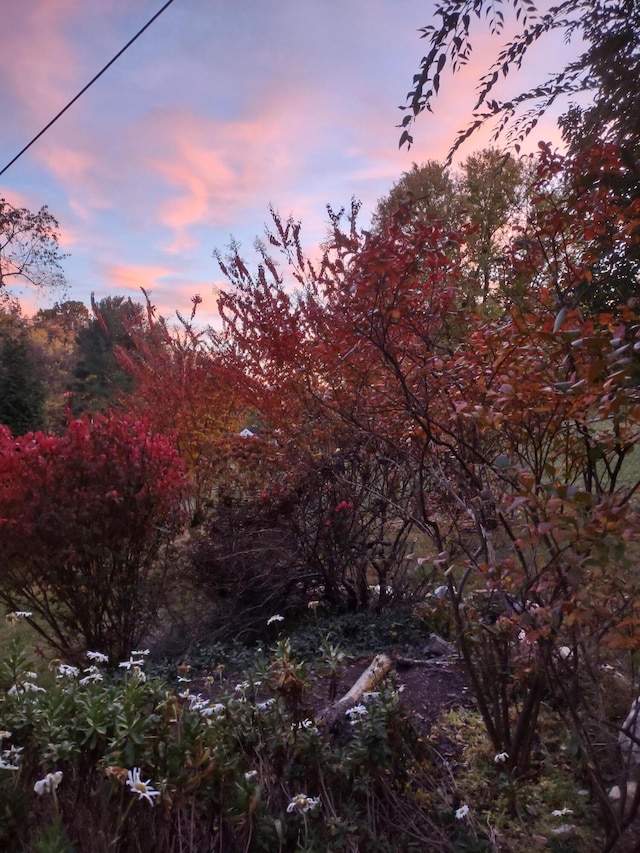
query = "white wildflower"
{"x": 143, "y": 653}
{"x": 98, "y": 657}
{"x": 250, "y": 775}
{"x": 197, "y": 702}
{"x": 131, "y": 663}
{"x": 276, "y": 618}
{"x": 144, "y": 790}
{"x": 9, "y": 758}
{"x": 242, "y": 686}
{"x": 48, "y": 784}
{"x": 500, "y": 758}
{"x": 462, "y": 812}
{"x": 92, "y": 674}
{"x": 17, "y": 615}
{"x": 66, "y": 671}
{"x": 25, "y": 687}
{"x": 308, "y": 725}
{"x": 357, "y": 712}
{"x": 302, "y": 803}
{"x": 262, "y": 706}
{"x": 561, "y": 812}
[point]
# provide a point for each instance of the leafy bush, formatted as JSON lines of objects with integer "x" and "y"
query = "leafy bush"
{"x": 83, "y": 519}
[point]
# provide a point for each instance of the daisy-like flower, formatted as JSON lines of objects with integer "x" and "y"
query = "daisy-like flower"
{"x": 276, "y": 618}
{"x": 262, "y": 706}
{"x": 301, "y": 803}
{"x": 98, "y": 657}
{"x": 142, "y": 653}
{"x": 197, "y": 702}
{"x": 308, "y": 725}
{"x": 49, "y": 784}
{"x": 144, "y": 790}
{"x": 92, "y": 674}
{"x": 132, "y": 663}
{"x": 500, "y": 758}
{"x": 250, "y": 775}
{"x": 67, "y": 671}
{"x": 561, "y": 812}
{"x": 462, "y": 812}
{"x": 25, "y": 687}
{"x": 357, "y": 712}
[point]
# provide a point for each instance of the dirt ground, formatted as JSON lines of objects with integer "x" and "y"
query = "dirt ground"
{"x": 429, "y": 687}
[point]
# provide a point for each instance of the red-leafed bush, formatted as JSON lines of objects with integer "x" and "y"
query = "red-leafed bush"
{"x": 84, "y": 519}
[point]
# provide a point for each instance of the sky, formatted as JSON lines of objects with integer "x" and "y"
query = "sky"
{"x": 217, "y": 111}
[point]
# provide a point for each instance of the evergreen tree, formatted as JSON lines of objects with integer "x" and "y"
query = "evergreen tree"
{"x": 22, "y": 392}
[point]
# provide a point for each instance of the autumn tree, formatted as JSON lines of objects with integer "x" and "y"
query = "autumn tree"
{"x": 53, "y": 335}
{"x": 29, "y": 247}
{"x": 291, "y": 347}
{"x": 516, "y": 434}
{"x": 487, "y": 194}
{"x": 183, "y": 388}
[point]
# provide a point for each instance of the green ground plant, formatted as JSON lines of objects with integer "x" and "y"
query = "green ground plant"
{"x": 120, "y": 762}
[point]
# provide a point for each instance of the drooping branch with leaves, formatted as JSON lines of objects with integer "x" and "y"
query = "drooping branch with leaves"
{"x": 606, "y": 69}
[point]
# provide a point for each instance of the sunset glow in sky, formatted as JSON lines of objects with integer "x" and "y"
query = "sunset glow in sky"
{"x": 217, "y": 111}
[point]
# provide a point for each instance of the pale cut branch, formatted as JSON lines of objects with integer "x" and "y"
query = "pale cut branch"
{"x": 368, "y": 681}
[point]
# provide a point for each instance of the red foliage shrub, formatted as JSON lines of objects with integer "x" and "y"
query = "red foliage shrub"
{"x": 83, "y": 519}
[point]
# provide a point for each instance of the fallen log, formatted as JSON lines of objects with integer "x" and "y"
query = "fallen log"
{"x": 368, "y": 681}
{"x": 407, "y": 663}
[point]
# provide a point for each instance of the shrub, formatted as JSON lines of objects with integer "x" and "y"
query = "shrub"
{"x": 84, "y": 518}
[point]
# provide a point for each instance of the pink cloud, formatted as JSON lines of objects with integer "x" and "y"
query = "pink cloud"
{"x": 169, "y": 288}
{"x": 39, "y": 67}
{"x": 130, "y": 278}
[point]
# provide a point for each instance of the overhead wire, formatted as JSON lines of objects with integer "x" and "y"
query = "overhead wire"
{"x": 84, "y": 89}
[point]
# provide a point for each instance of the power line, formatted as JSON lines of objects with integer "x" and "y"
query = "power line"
{"x": 90, "y": 83}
